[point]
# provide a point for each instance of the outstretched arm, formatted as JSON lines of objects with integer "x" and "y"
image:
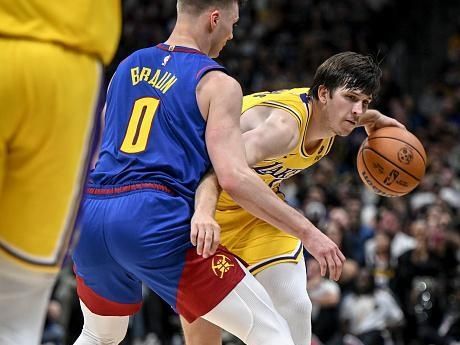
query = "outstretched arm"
{"x": 373, "y": 119}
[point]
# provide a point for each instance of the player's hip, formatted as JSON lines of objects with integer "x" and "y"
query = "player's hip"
{"x": 140, "y": 221}
{"x": 262, "y": 256}
{"x": 256, "y": 242}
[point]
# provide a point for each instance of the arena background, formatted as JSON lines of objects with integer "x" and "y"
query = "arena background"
{"x": 409, "y": 245}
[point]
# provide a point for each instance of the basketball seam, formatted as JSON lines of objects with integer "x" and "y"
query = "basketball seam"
{"x": 376, "y": 180}
{"x": 421, "y": 156}
{"x": 390, "y": 161}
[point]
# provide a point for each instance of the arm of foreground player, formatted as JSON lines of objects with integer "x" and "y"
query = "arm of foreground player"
{"x": 204, "y": 231}
{"x": 274, "y": 136}
{"x": 373, "y": 119}
{"x": 225, "y": 148}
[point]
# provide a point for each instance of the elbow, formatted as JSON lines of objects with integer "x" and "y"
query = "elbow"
{"x": 228, "y": 184}
{"x": 231, "y": 181}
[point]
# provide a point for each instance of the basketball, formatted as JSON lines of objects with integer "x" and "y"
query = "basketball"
{"x": 391, "y": 161}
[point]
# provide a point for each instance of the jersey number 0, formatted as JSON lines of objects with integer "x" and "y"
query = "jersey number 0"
{"x": 139, "y": 126}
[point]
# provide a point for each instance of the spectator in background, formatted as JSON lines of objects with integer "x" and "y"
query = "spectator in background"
{"x": 54, "y": 332}
{"x": 380, "y": 262}
{"x": 325, "y": 297}
{"x": 356, "y": 234}
{"x": 425, "y": 268}
{"x": 350, "y": 267}
{"x": 389, "y": 223}
{"x": 368, "y": 312}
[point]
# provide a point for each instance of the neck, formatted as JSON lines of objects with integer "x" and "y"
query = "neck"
{"x": 187, "y": 33}
{"x": 317, "y": 126}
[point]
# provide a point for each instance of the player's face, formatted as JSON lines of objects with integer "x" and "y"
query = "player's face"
{"x": 344, "y": 108}
{"x": 227, "y": 19}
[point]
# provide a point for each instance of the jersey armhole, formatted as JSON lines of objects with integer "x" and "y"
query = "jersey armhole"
{"x": 201, "y": 73}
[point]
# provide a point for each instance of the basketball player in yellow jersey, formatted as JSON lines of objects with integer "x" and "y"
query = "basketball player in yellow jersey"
{"x": 285, "y": 132}
{"x": 51, "y": 70}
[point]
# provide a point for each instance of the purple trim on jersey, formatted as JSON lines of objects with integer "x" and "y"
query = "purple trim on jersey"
{"x": 206, "y": 69}
{"x": 305, "y": 98}
{"x": 178, "y": 49}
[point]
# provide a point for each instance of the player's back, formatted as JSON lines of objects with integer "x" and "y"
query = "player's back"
{"x": 92, "y": 27}
{"x": 154, "y": 130}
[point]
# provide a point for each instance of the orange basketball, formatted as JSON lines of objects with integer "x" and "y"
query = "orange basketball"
{"x": 391, "y": 161}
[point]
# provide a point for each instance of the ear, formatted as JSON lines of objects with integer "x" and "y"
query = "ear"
{"x": 323, "y": 92}
{"x": 214, "y": 18}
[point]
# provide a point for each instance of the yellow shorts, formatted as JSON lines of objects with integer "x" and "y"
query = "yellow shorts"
{"x": 48, "y": 96}
{"x": 259, "y": 244}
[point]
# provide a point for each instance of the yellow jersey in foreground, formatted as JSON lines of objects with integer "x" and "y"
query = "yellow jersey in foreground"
{"x": 89, "y": 26}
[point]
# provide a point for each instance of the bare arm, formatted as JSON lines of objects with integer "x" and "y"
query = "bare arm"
{"x": 273, "y": 136}
{"x": 227, "y": 154}
{"x": 373, "y": 119}
{"x": 205, "y": 231}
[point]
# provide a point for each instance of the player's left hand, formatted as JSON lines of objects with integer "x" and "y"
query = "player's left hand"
{"x": 373, "y": 119}
{"x": 204, "y": 234}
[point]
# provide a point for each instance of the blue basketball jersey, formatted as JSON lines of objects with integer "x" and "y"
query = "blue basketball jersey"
{"x": 154, "y": 131}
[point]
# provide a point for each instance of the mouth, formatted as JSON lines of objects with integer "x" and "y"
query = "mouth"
{"x": 353, "y": 123}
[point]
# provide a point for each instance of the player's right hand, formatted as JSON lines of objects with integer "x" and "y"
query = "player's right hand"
{"x": 204, "y": 234}
{"x": 326, "y": 252}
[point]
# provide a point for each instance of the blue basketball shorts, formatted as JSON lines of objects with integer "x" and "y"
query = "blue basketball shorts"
{"x": 140, "y": 233}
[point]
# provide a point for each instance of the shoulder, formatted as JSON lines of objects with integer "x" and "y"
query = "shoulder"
{"x": 218, "y": 93}
{"x": 282, "y": 121}
{"x": 286, "y": 102}
{"x": 218, "y": 82}
{"x": 273, "y": 130}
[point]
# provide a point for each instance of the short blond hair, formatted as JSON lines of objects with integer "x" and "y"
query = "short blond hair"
{"x": 198, "y": 6}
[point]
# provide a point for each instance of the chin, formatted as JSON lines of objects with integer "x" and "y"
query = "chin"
{"x": 344, "y": 132}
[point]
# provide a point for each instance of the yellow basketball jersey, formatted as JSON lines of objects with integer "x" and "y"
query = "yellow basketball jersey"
{"x": 90, "y": 26}
{"x": 258, "y": 243}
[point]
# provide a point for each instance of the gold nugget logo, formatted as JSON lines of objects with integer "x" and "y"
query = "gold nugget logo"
{"x": 221, "y": 265}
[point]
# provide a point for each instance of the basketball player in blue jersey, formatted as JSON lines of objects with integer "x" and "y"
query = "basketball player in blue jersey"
{"x": 171, "y": 112}
{"x": 284, "y": 133}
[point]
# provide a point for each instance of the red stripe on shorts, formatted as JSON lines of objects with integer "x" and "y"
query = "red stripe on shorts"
{"x": 206, "y": 282}
{"x": 102, "y": 306}
{"x": 128, "y": 188}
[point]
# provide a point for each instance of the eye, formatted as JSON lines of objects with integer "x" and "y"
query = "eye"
{"x": 352, "y": 98}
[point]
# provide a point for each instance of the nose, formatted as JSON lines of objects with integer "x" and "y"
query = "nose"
{"x": 357, "y": 108}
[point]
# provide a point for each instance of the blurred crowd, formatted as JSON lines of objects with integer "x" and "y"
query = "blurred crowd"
{"x": 401, "y": 280}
